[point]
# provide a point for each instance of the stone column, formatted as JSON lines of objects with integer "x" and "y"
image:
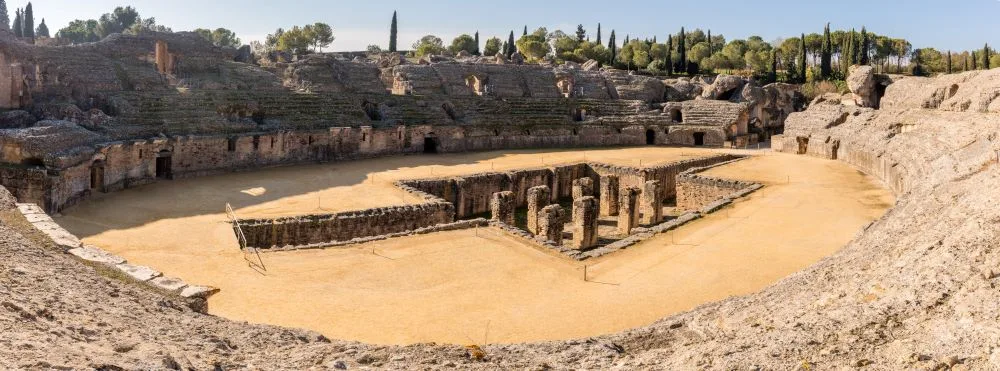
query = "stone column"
{"x": 550, "y": 224}
{"x": 583, "y": 187}
{"x": 584, "y": 223}
{"x": 502, "y": 207}
{"x": 609, "y": 195}
{"x": 538, "y": 198}
{"x": 628, "y": 212}
{"x": 652, "y": 206}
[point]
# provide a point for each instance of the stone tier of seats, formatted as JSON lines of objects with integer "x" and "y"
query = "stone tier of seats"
{"x": 712, "y": 113}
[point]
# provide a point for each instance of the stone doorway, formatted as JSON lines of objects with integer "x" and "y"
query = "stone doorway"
{"x": 430, "y": 143}
{"x": 97, "y": 176}
{"x": 699, "y": 138}
{"x": 650, "y": 137}
{"x": 163, "y": 165}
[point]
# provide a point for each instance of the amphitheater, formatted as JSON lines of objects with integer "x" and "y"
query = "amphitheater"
{"x": 166, "y": 205}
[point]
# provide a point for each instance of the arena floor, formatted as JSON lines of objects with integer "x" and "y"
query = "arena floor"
{"x": 476, "y": 286}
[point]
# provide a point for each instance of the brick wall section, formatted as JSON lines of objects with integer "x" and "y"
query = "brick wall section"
{"x": 345, "y": 226}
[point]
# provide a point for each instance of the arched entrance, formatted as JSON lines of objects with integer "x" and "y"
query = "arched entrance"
{"x": 163, "y": 165}
{"x": 97, "y": 176}
{"x": 431, "y": 143}
{"x": 650, "y": 137}
{"x": 676, "y": 115}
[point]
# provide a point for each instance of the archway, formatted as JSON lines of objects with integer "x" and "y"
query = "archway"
{"x": 650, "y": 137}
{"x": 430, "y": 143}
{"x": 97, "y": 176}
{"x": 371, "y": 110}
{"x": 164, "y": 162}
{"x": 699, "y": 138}
{"x": 676, "y": 115}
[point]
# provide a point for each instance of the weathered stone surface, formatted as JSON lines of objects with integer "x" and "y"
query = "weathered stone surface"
{"x": 538, "y": 199}
{"x": 590, "y": 65}
{"x": 502, "y": 207}
{"x": 16, "y": 119}
{"x": 628, "y": 214}
{"x": 583, "y": 187}
{"x": 683, "y": 90}
{"x": 96, "y": 255}
{"x": 139, "y": 272}
{"x": 725, "y": 87}
{"x": 861, "y": 81}
{"x": 7, "y": 201}
{"x": 168, "y": 283}
{"x": 585, "y": 217}
{"x": 550, "y": 224}
{"x": 203, "y": 292}
{"x": 609, "y": 195}
{"x": 244, "y": 54}
{"x": 652, "y": 202}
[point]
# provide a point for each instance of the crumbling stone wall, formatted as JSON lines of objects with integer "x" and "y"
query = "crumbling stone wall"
{"x": 695, "y": 191}
{"x": 345, "y": 226}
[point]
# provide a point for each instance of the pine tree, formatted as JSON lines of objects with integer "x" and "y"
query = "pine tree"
{"x": 802, "y": 60}
{"x": 598, "y": 33}
{"x": 668, "y": 59}
{"x": 581, "y": 34}
{"x": 42, "y": 30}
{"x": 511, "y": 47}
{"x": 826, "y": 62}
{"x": 681, "y": 52}
{"x": 393, "y": 33}
{"x": 865, "y": 47}
{"x": 18, "y": 26}
{"x": 4, "y": 17}
{"x": 986, "y": 57}
{"x": 613, "y": 48}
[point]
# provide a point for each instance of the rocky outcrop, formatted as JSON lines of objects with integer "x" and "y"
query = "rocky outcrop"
{"x": 7, "y": 200}
{"x": 725, "y": 87}
{"x": 16, "y": 119}
{"x": 682, "y": 90}
{"x": 973, "y": 91}
{"x": 861, "y": 82}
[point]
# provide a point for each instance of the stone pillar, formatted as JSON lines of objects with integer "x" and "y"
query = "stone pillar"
{"x": 628, "y": 212}
{"x": 550, "y": 224}
{"x": 652, "y": 206}
{"x": 609, "y": 195}
{"x": 502, "y": 207}
{"x": 538, "y": 198}
{"x": 583, "y": 187}
{"x": 584, "y": 223}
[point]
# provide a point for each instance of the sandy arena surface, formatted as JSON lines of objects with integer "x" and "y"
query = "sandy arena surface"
{"x": 476, "y": 286}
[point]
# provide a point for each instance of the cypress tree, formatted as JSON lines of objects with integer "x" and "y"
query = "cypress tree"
{"x": 846, "y": 54}
{"x": 525, "y": 30}
{"x": 598, "y": 32}
{"x": 626, "y": 40}
{"x": 43, "y": 30}
{"x": 865, "y": 47}
{"x": 18, "y": 26}
{"x": 613, "y": 48}
{"x": 4, "y": 17}
{"x": 772, "y": 75}
{"x": 949, "y": 62}
{"x": 393, "y": 33}
{"x": 504, "y": 48}
{"x": 669, "y": 59}
{"x": 802, "y": 60}
{"x": 965, "y": 64}
{"x": 826, "y": 62}
{"x": 476, "y": 52}
{"x": 986, "y": 54}
{"x": 29, "y": 23}
{"x": 681, "y": 52}
{"x": 711, "y": 49}
{"x": 511, "y": 47}
{"x": 975, "y": 62}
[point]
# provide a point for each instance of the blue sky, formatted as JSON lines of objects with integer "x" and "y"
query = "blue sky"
{"x": 955, "y": 25}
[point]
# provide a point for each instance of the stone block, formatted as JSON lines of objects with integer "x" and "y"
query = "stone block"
{"x": 583, "y": 187}
{"x": 202, "y": 292}
{"x": 651, "y": 203}
{"x": 139, "y": 272}
{"x": 550, "y": 224}
{"x": 585, "y": 217}
{"x": 628, "y": 214}
{"x": 538, "y": 199}
{"x": 502, "y": 207}
{"x": 609, "y": 195}
{"x": 168, "y": 283}
{"x": 96, "y": 255}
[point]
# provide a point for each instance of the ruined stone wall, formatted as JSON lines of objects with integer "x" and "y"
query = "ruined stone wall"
{"x": 695, "y": 192}
{"x": 27, "y": 185}
{"x": 667, "y": 174}
{"x": 307, "y": 230}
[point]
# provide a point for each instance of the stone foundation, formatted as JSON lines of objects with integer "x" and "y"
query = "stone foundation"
{"x": 502, "y": 207}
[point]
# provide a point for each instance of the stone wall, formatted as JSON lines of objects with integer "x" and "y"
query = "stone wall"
{"x": 346, "y": 226}
{"x": 696, "y": 192}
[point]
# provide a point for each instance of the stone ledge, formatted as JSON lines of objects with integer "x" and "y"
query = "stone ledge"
{"x": 96, "y": 255}
{"x": 139, "y": 272}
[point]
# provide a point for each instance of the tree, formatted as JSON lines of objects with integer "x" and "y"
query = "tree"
{"x": 393, "y": 33}
{"x": 322, "y": 35}
{"x": 4, "y": 17}
{"x": 975, "y": 61}
{"x": 525, "y": 31}
{"x": 492, "y": 46}
{"x": 802, "y": 60}
{"x": 681, "y": 53}
{"x": 118, "y": 21}
{"x": 296, "y": 40}
{"x": 949, "y": 63}
{"x": 476, "y": 52}
{"x": 612, "y": 49}
{"x": 511, "y": 48}
{"x": 220, "y": 37}
{"x": 79, "y": 31}
{"x": 463, "y": 42}
{"x": 918, "y": 69}
{"x": 826, "y": 61}
{"x": 28, "y": 27}
{"x": 18, "y": 26}
{"x": 42, "y": 30}
{"x": 428, "y": 45}
{"x": 534, "y": 45}
{"x": 711, "y": 50}
{"x": 986, "y": 54}
{"x": 865, "y": 48}
{"x": 581, "y": 33}
{"x": 668, "y": 59}
{"x": 598, "y": 32}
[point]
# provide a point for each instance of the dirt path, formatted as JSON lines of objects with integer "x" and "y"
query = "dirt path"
{"x": 468, "y": 286}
